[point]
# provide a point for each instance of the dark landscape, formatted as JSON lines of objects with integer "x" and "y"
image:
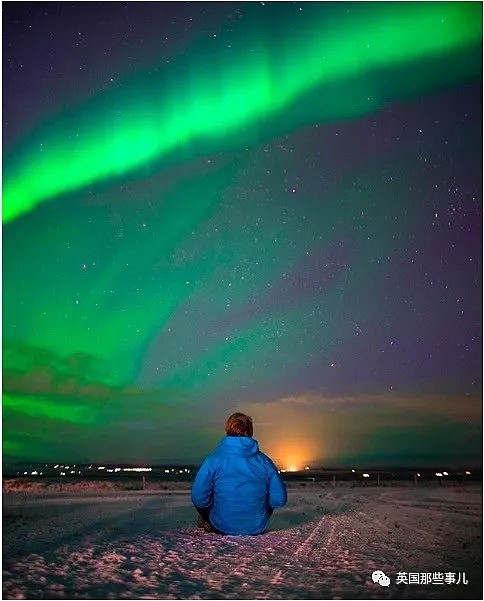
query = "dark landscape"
{"x": 103, "y": 540}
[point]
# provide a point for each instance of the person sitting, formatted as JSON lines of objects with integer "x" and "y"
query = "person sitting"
{"x": 237, "y": 487}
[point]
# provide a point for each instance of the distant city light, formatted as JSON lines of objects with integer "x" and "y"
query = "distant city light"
{"x": 283, "y": 471}
{"x": 418, "y": 475}
{"x": 307, "y": 467}
{"x": 118, "y": 469}
{"x": 468, "y": 473}
{"x": 353, "y": 471}
{"x": 439, "y": 474}
{"x": 101, "y": 467}
{"x": 445, "y": 473}
{"x": 137, "y": 469}
{"x": 62, "y": 473}
{"x": 73, "y": 471}
{"x": 56, "y": 465}
{"x": 366, "y": 475}
{"x": 34, "y": 473}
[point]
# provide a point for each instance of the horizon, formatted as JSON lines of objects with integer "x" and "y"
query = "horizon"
{"x": 472, "y": 463}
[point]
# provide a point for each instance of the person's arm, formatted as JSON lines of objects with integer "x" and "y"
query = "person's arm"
{"x": 277, "y": 489}
{"x": 202, "y": 489}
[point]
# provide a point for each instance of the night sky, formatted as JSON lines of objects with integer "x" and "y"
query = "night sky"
{"x": 264, "y": 207}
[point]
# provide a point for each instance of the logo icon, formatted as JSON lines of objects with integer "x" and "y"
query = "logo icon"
{"x": 381, "y": 578}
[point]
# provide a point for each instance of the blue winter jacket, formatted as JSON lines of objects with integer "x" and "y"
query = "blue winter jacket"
{"x": 239, "y": 484}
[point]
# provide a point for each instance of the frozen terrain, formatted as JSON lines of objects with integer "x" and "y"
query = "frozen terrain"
{"x": 324, "y": 544}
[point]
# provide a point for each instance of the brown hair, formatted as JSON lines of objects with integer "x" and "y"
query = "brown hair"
{"x": 239, "y": 424}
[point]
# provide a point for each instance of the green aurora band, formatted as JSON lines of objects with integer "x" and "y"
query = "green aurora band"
{"x": 272, "y": 80}
{"x": 158, "y": 260}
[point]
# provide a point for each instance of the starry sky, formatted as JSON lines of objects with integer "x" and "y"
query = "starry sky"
{"x": 267, "y": 207}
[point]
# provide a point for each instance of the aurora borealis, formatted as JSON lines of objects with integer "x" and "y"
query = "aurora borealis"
{"x": 267, "y": 207}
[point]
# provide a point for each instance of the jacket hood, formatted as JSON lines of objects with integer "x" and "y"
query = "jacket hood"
{"x": 239, "y": 445}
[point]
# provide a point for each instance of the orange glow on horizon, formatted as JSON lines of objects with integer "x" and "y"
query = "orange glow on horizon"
{"x": 291, "y": 432}
{"x": 295, "y": 456}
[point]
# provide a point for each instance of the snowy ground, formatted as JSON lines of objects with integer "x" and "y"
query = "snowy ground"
{"x": 324, "y": 544}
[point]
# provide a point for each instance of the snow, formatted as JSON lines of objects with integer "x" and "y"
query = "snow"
{"x": 325, "y": 544}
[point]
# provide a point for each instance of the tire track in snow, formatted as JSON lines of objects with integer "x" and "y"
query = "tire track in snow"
{"x": 304, "y": 545}
{"x": 304, "y": 550}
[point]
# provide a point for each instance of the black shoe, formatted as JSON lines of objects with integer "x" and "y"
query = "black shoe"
{"x": 203, "y": 525}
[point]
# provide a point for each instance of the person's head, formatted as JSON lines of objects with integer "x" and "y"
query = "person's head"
{"x": 239, "y": 424}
